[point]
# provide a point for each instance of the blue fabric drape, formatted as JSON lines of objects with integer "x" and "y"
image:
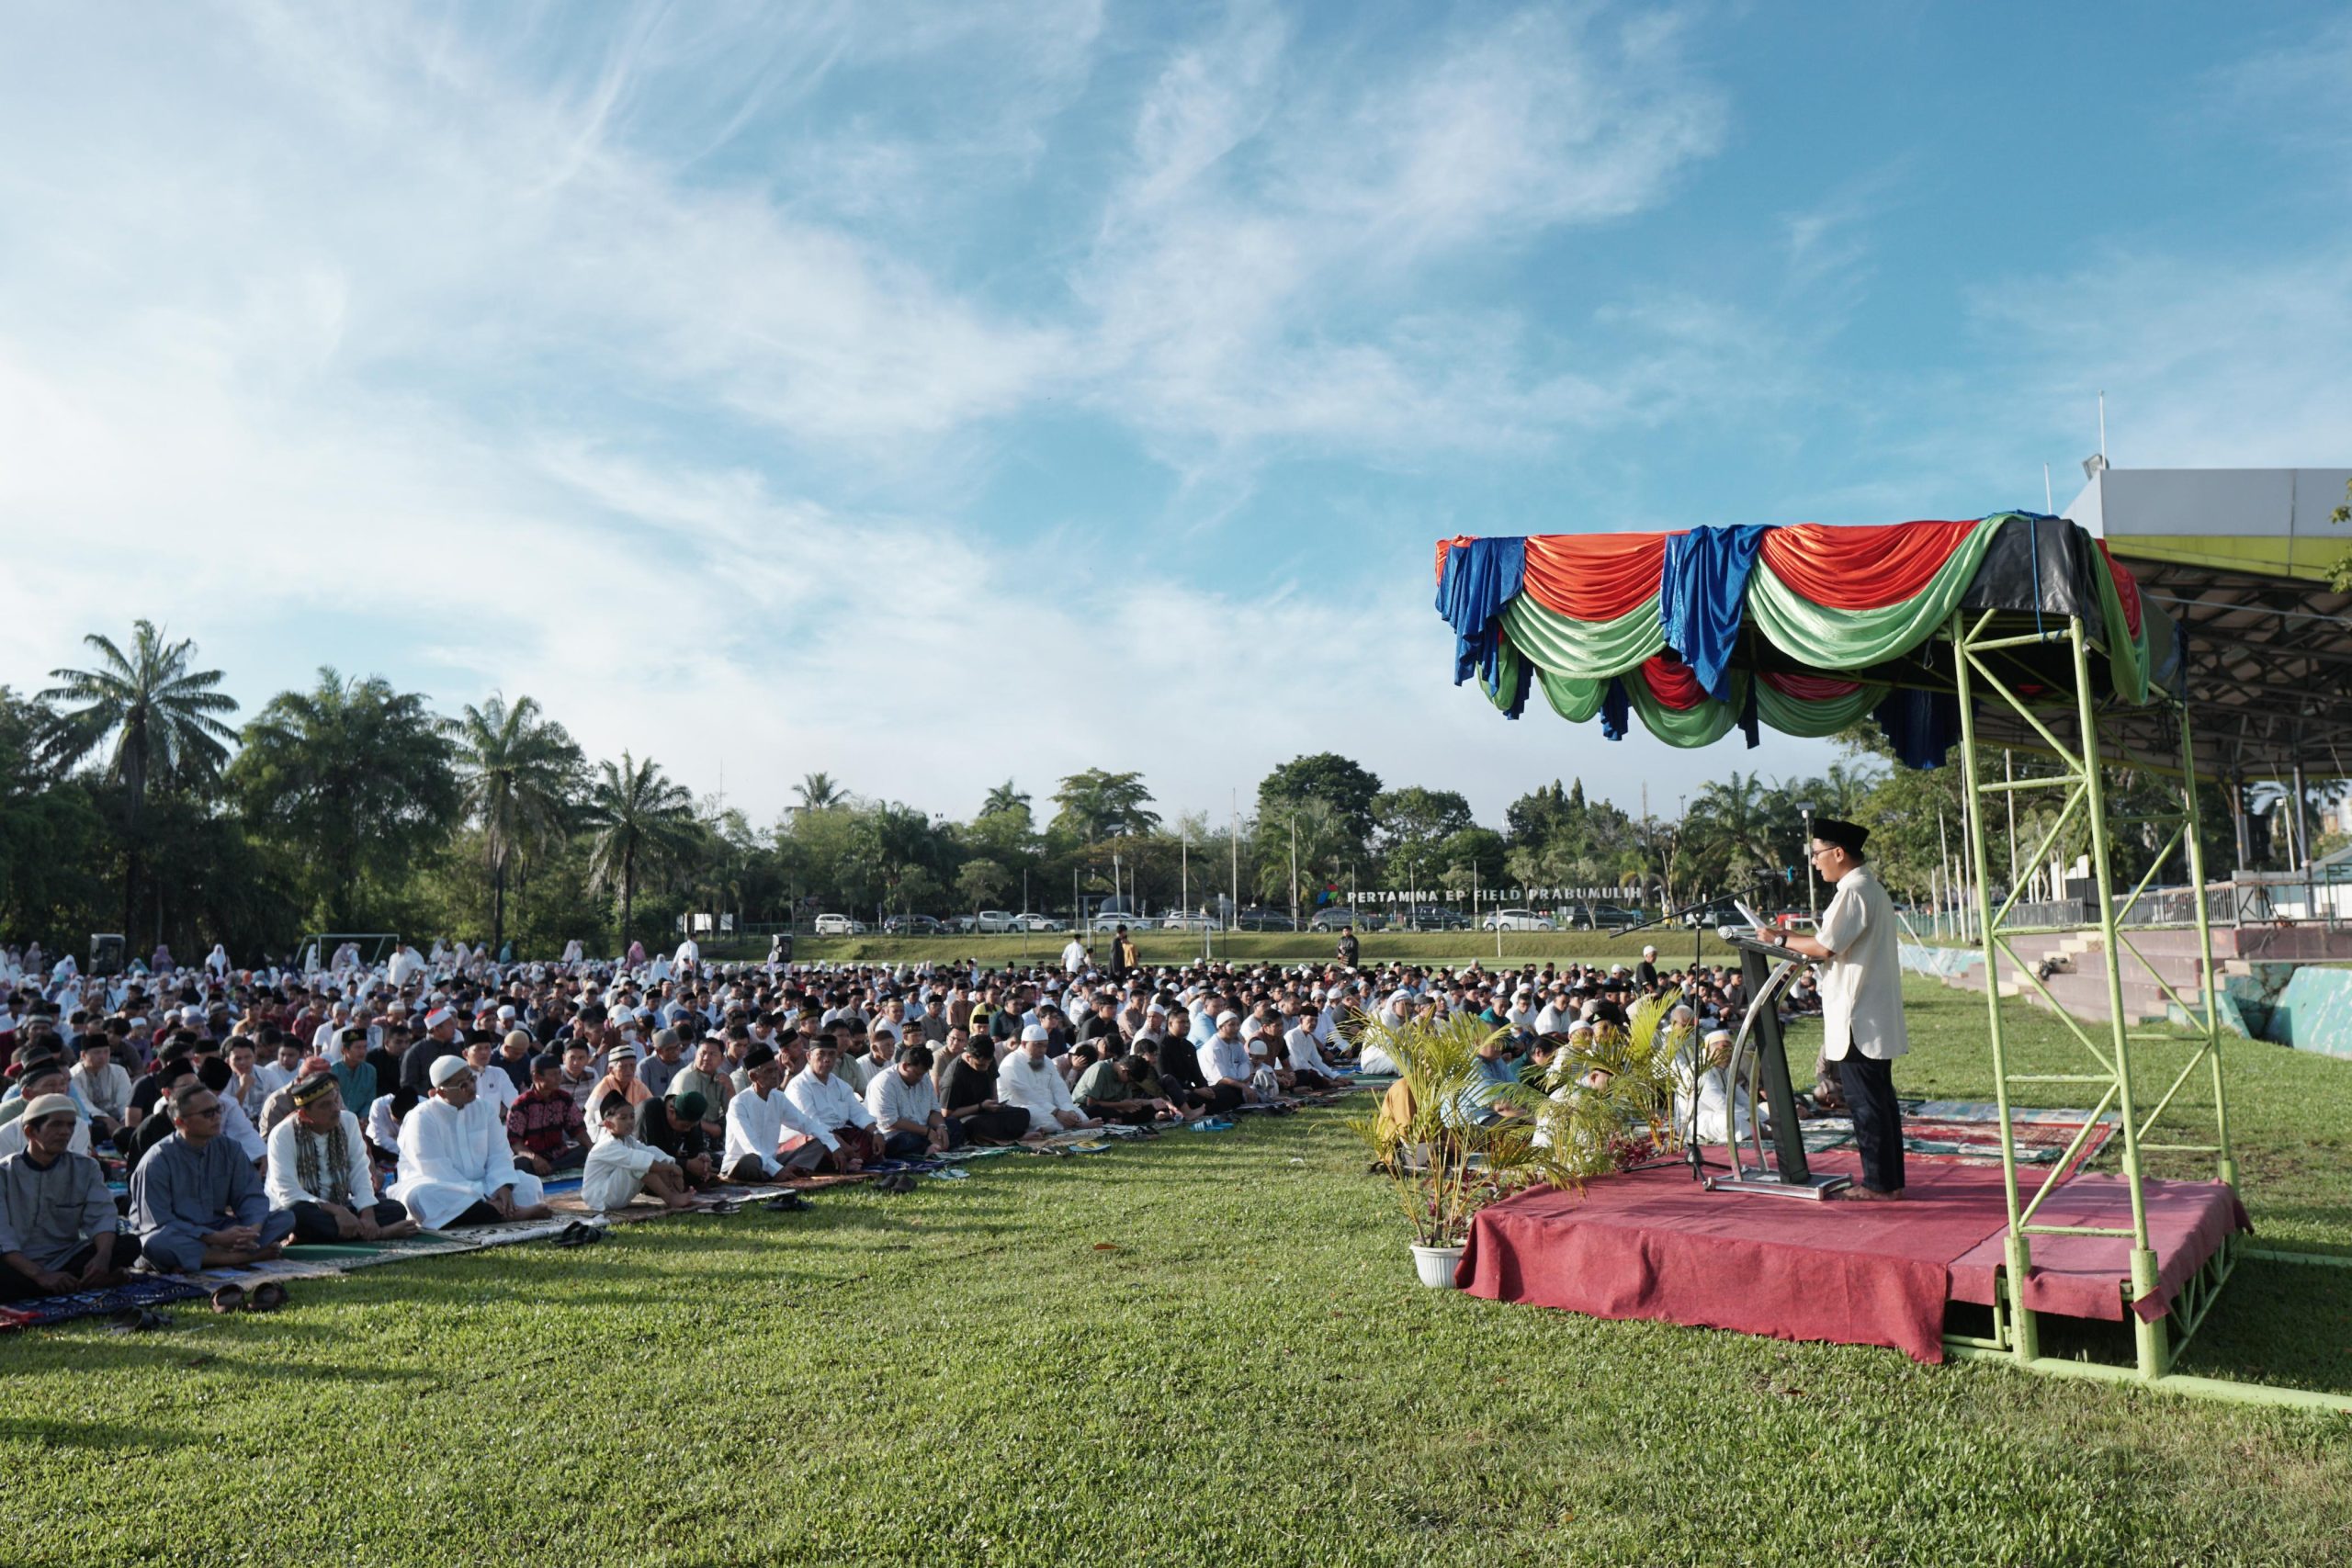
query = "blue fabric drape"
{"x": 1702, "y": 596}
{"x": 1481, "y": 577}
{"x": 1616, "y": 710}
{"x": 1922, "y": 726}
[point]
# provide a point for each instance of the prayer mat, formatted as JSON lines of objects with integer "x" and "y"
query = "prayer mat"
{"x": 43, "y": 1311}
{"x": 1971, "y": 1129}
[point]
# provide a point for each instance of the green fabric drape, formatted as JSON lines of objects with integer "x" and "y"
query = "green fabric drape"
{"x": 1586, "y": 650}
{"x": 1814, "y": 718}
{"x": 1855, "y": 639}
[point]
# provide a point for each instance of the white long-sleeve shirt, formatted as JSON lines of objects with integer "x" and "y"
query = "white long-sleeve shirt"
{"x": 756, "y": 1125}
{"x": 1036, "y": 1087}
{"x": 352, "y": 1187}
{"x": 828, "y": 1102}
{"x": 1305, "y": 1056}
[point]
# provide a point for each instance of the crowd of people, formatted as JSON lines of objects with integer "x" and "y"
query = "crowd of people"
{"x": 174, "y": 1118}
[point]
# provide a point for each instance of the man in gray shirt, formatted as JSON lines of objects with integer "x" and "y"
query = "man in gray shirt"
{"x": 57, "y": 1220}
{"x": 196, "y": 1201}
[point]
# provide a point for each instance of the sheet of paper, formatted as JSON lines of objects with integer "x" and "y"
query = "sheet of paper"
{"x": 1751, "y": 916}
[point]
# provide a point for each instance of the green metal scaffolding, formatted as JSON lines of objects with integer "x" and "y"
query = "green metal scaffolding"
{"x": 2016, "y": 665}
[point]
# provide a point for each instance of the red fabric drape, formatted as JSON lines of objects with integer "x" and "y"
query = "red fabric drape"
{"x": 2127, "y": 587}
{"x": 1811, "y": 688}
{"x": 1594, "y": 577}
{"x": 1862, "y": 568}
{"x": 1672, "y": 682}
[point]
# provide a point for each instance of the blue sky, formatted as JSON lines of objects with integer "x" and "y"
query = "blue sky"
{"x": 930, "y": 394}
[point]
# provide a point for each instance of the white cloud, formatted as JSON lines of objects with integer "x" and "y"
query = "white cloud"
{"x": 362, "y": 337}
{"x": 1248, "y": 271}
{"x": 2207, "y": 362}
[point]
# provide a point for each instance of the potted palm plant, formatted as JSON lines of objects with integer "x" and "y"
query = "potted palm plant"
{"x": 1450, "y": 1139}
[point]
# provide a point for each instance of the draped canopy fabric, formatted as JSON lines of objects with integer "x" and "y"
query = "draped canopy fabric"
{"x": 1796, "y": 627}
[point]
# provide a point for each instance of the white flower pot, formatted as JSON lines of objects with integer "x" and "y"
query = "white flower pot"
{"x": 1436, "y": 1264}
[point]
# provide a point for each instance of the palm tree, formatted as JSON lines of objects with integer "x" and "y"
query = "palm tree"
{"x": 640, "y": 819}
{"x": 161, "y": 712}
{"x": 817, "y": 791}
{"x": 1736, "y": 816}
{"x": 519, "y": 771}
{"x": 1003, "y": 797}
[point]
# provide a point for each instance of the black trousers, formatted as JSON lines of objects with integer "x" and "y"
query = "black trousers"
{"x": 312, "y": 1222}
{"x": 15, "y": 1287}
{"x": 1004, "y": 1126}
{"x": 1878, "y": 1118}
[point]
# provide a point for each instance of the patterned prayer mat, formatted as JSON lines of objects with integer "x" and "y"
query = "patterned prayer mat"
{"x": 1971, "y": 1129}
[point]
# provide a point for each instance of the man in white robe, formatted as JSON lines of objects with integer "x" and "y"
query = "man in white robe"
{"x": 456, "y": 1165}
{"x": 1028, "y": 1080}
{"x": 1701, "y": 1105}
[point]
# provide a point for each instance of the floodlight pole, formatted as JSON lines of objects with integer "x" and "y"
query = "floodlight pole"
{"x": 1812, "y": 883}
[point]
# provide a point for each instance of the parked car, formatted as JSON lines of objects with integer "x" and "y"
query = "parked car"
{"x": 1263, "y": 921}
{"x": 1437, "y": 918}
{"x": 1335, "y": 917}
{"x": 839, "y": 925}
{"x": 1115, "y": 920}
{"x": 913, "y": 925}
{"x": 1516, "y": 921}
{"x": 1183, "y": 922}
{"x": 996, "y": 921}
{"x": 1039, "y": 923}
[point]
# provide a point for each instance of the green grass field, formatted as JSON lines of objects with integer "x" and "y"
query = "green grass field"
{"x": 1208, "y": 1350}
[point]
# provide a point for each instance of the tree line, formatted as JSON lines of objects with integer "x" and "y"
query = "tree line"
{"x": 128, "y": 801}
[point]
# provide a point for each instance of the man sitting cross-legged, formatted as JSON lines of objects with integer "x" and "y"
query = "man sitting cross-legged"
{"x": 759, "y": 1117}
{"x": 1028, "y": 1080}
{"x": 967, "y": 1093}
{"x": 195, "y": 1200}
{"x": 620, "y": 1167}
{"x": 1124, "y": 1088}
{"x": 457, "y": 1167}
{"x": 828, "y": 1102}
{"x": 58, "y": 1227}
{"x": 674, "y": 1125}
{"x": 906, "y": 1108}
{"x": 318, "y": 1171}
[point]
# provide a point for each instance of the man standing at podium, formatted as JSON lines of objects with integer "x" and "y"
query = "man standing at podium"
{"x": 1861, "y": 997}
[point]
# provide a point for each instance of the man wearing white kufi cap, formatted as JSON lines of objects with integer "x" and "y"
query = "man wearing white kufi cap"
{"x": 1700, "y": 1106}
{"x": 456, "y": 1166}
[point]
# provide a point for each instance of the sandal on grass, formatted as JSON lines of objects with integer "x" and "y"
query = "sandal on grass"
{"x": 786, "y": 1204}
{"x": 137, "y": 1320}
{"x": 267, "y": 1296}
{"x": 578, "y": 1233}
{"x": 228, "y": 1299}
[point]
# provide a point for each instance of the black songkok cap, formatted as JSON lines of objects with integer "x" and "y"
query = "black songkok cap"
{"x": 1848, "y": 836}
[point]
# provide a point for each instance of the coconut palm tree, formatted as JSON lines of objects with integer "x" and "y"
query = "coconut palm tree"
{"x": 1003, "y": 797}
{"x": 640, "y": 820}
{"x": 162, "y": 716}
{"x": 1735, "y": 814}
{"x": 520, "y": 772}
{"x": 817, "y": 791}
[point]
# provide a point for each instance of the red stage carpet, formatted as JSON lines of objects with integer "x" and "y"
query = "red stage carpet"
{"x": 1653, "y": 1245}
{"x": 2084, "y": 1275}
